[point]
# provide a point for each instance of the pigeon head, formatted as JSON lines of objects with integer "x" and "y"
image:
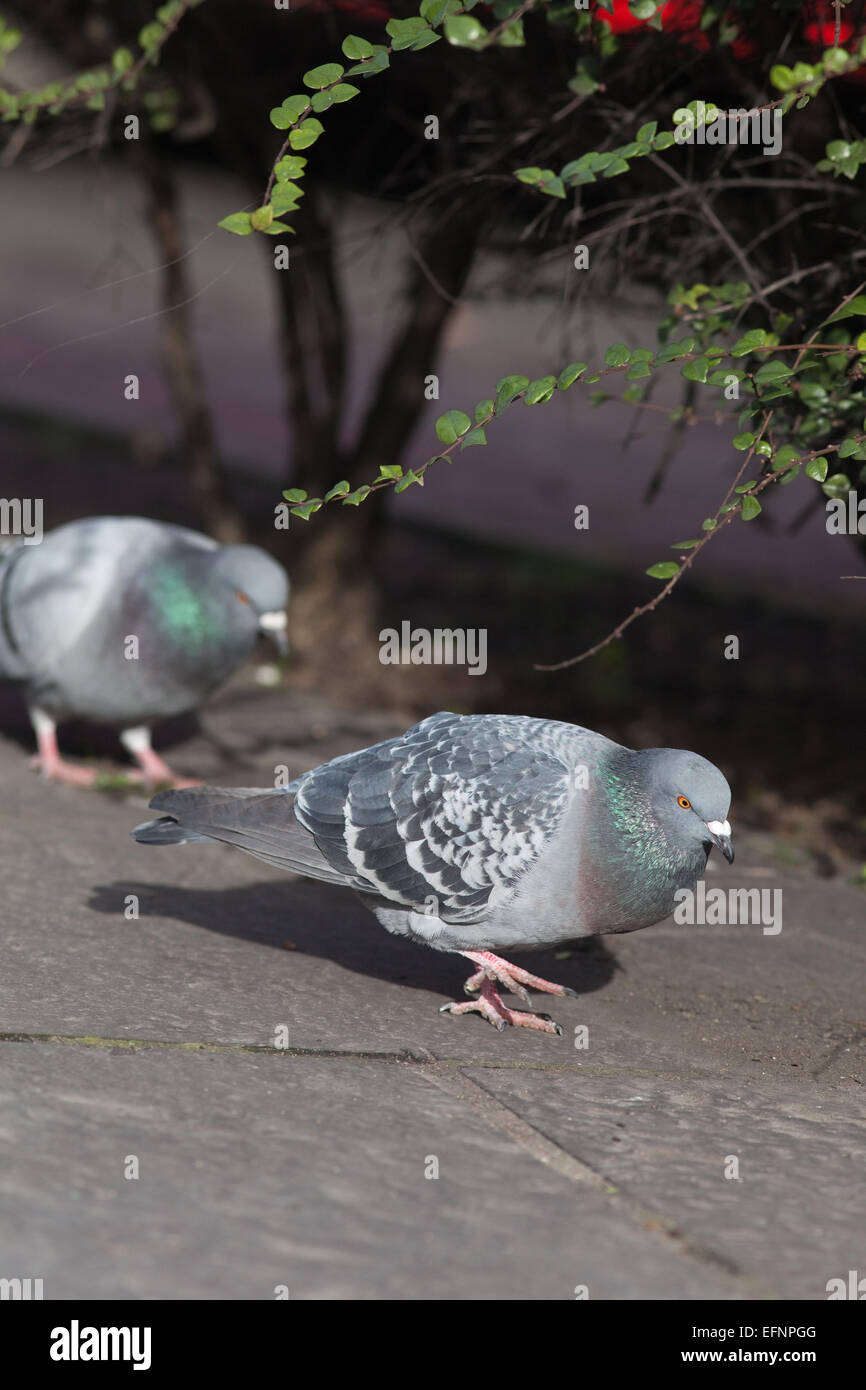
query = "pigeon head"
{"x": 690, "y": 798}
{"x": 259, "y": 582}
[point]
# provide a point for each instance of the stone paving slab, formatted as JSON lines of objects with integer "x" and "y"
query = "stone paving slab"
{"x": 796, "y": 1214}
{"x": 261, "y": 1171}
{"x": 561, "y": 1165}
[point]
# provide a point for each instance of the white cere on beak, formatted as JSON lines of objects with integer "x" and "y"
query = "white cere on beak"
{"x": 719, "y": 827}
{"x": 273, "y": 622}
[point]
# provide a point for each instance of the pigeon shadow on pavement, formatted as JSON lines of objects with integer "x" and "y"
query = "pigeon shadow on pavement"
{"x": 316, "y": 919}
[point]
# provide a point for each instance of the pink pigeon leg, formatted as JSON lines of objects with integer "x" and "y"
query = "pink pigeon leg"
{"x": 48, "y": 760}
{"x": 154, "y": 770}
{"x": 510, "y": 977}
{"x": 490, "y": 1006}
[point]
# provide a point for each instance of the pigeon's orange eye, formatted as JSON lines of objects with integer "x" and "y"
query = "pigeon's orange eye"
{"x": 239, "y": 593}
{"x": 684, "y": 802}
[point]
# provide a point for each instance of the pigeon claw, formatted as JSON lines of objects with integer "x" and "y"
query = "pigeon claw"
{"x": 490, "y": 1006}
{"x": 56, "y": 769}
{"x": 510, "y": 977}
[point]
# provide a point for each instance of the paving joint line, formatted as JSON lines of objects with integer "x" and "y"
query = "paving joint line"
{"x": 545, "y": 1150}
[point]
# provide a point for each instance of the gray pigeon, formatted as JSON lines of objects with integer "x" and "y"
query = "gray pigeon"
{"x": 125, "y": 621}
{"x": 479, "y": 832}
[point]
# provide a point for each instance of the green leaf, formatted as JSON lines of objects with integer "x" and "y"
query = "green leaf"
{"x": 569, "y": 374}
{"x": 237, "y": 222}
{"x": 285, "y": 197}
{"x": 835, "y": 59}
{"x": 616, "y": 166}
{"x": 378, "y": 63}
{"x": 507, "y": 389}
{"x": 665, "y": 569}
{"x": 772, "y": 371}
{"x": 617, "y": 356}
{"x": 262, "y": 218}
{"x": 848, "y": 447}
{"x": 291, "y": 166}
{"x": 638, "y": 370}
{"x": 280, "y": 118}
{"x": 552, "y": 185}
{"x": 307, "y": 133}
{"x": 430, "y": 36}
{"x": 668, "y": 353}
{"x": 451, "y": 425}
{"x": 756, "y": 338}
{"x": 856, "y": 307}
{"x": 410, "y": 478}
{"x": 150, "y": 37}
{"x": 837, "y": 485}
{"x": 295, "y": 494}
{"x": 684, "y": 545}
{"x": 275, "y": 227}
{"x": 530, "y": 173}
{"x": 323, "y": 76}
{"x": 817, "y": 469}
{"x": 697, "y": 370}
{"x": 743, "y": 441}
{"x": 749, "y": 507}
{"x": 404, "y": 32}
{"x": 782, "y": 77}
{"x": 122, "y": 60}
{"x": 577, "y": 171}
{"x": 338, "y": 490}
{"x": 646, "y": 132}
{"x": 355, "y": 498}
{"x": 642, "y": 9}
{"x": 306, "y": 509}
{"x": 434, "y": 11}
{"x": 476, "y": 436}
{"x": 663, "y": 141}
{"x": 355, "y": 47}
{"x": 344, "y": 91}
{"x": 537, "y": 392}
{"x": 483, "y": 411}
{"x": 464, "y": 31}
{"x": 390, "y": 470}
{"x": 294, "y": 107}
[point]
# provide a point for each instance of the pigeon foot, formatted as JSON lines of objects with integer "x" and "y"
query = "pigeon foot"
{"x": 152, "y": 769}
{"x": 511, "y": 977}
{"x": 55, "y": 769}
{"x": 490, "y": 1006}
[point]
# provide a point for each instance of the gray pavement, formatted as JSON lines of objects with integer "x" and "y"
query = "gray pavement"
{"x": 150, "y": 1042}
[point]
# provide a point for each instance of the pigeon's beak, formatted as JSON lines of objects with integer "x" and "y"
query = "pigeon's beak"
{"x": 273, "y": 625}
{"x": 720, "y": 834}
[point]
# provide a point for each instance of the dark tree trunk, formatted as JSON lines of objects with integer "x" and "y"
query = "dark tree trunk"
{"x": 183, "y": 373}
{"x": 331, "y": 556}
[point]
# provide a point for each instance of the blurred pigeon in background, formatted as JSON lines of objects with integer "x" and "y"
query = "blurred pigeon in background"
{"x": 475, "y": 833}
{"x": 125, "y": 621}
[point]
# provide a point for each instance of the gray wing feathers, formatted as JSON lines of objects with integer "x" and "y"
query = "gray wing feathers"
{"x": 457, "y": 808}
